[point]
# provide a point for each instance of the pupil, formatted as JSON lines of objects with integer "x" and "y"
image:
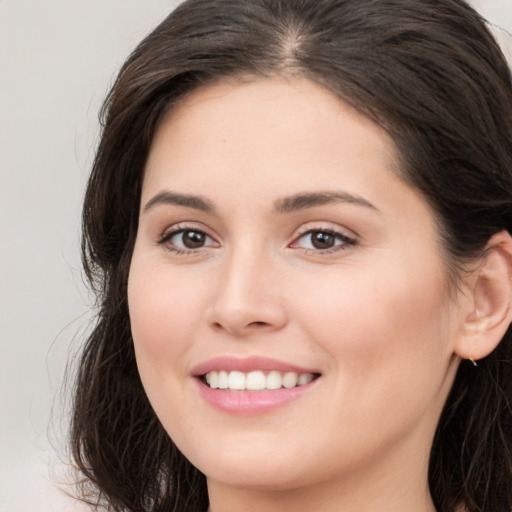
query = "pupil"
{"x": 193, "y": 239}
{"x": 322, "y": 240}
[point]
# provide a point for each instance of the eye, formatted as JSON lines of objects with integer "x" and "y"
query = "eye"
{"x": 323, "y": 240}
{"x": 187, "y": 240}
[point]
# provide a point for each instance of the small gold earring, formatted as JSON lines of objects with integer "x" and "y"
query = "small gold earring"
{"x": 472, "y": 361}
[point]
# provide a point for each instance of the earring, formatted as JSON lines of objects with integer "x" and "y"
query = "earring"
{"x": 473, "y": 362}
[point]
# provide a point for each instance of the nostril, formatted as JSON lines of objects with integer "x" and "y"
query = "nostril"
{"x": 257, "y": 324}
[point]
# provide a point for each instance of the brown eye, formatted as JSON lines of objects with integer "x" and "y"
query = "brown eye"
{"x": 193, "y": 239}
{"x": 322, "y": 240}
{"x": 183, "y": 240}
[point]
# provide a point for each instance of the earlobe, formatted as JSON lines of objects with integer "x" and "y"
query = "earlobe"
{"x": 490, "y": 311}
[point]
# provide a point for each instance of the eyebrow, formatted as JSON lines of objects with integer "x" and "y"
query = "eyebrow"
{"x": 297, "y": 202}
{"x": 189, "y": 201}
{"x": 306, "y": 200}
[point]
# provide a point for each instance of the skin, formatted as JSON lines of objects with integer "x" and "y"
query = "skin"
{"x": 374, "y": 316}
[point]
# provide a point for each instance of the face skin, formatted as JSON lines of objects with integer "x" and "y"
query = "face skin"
{"x": 369, "y": 310}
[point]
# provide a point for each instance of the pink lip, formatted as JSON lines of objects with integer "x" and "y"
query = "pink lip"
{"x": 249, "y": 402}
{"x": 246, "y": 364}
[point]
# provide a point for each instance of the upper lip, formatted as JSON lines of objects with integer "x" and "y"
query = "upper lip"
{"x": 246, "y": 364}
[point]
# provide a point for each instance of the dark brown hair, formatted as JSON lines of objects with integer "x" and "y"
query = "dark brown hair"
{"x": 430, "y": 73}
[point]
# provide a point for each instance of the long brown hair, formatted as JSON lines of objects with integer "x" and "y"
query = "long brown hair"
{"x": 427, "y": 71}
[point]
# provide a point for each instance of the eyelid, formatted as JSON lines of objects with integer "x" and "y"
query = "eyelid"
{"x": 186, "y": 225}
{"x": 328, "y": 227}
{"x": 341, "y": 234}
{"x": 175, "y": 229}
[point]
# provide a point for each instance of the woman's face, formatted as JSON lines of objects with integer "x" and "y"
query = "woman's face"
{"x": 277, "y": 248}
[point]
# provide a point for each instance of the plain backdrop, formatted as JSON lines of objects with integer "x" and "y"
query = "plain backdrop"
{"x": 57, "y": 60}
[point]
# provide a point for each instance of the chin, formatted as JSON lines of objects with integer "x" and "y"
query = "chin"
{"x": 257, "y": 475}
{"x": 262, "y": 461}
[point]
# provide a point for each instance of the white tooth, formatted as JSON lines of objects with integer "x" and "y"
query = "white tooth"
{"x": 213, "y": 379}
{"x": 304, "y": 378}
{"x": 274, "y": 380}
{"x": 236, "y": 380}
{"x": 255, "y": 381}
{"x": 223, "y": 380}
{"x": 290, "y": 379}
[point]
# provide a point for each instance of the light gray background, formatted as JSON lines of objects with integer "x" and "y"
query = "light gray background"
{"x": 57, "y": 59}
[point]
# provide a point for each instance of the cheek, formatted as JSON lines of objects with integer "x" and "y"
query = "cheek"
{"x": 372, "y": 309}
{"x": 163, "y": 309}
{"x": 164, "y": 312}
{"x": 163, "y": 318}
{"x": 386, "y": 335}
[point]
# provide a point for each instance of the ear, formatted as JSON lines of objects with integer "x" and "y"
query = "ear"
{"x": 488, "y": 311}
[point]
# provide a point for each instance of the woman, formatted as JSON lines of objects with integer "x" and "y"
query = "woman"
{"x": 298, "y": 227}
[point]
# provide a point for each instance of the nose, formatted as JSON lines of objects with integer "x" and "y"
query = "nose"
{"x": 248, "y": 297}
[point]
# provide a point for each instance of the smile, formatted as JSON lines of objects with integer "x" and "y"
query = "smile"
{"x": 252, "y": 385}
{"x": 256, "y": 380}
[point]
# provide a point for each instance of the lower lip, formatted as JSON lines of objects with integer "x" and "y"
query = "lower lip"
{"x": 252, "y": 402}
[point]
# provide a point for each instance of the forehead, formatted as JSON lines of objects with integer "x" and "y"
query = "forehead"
{"x": 279, "y": 127}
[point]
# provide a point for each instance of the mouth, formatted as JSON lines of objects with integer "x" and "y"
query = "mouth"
{"x": 257, "y": 380}
{"x": 252, "y": 385}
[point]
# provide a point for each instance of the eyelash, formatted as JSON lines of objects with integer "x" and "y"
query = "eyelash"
{"x": 167, "y": 237}
{"x": 343, "y": 246}
{"x": 345, "y": 240}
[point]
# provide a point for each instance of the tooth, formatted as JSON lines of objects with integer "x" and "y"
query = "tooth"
{"x": 290, "y": 379}
{"x": 274, "y": 380}
{"x": 304, "y": 378}
{"x": 223, "y": 380}
{"x": 255, "y": 381}
{"x": 236, "y": 380}
{"x": 212, "y": 379}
